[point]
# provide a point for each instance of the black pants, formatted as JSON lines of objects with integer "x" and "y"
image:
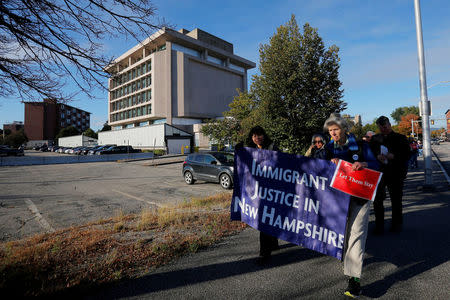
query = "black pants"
{"x": 267, "y": 243}
{"x": 394, "y": 184}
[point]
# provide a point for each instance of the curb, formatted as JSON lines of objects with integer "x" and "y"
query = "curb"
{"x": 441, "y": 166}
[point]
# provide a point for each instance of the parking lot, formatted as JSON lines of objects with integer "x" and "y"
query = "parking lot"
{"x": 43, "y": 198}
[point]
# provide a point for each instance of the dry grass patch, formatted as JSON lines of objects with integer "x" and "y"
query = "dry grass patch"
{"x": 125, "y": 246}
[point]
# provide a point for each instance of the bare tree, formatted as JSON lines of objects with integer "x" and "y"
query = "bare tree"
{"x": 45, "y": 44}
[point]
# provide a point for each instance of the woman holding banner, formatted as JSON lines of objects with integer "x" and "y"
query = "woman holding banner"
{"x": 258, "y": 138}
{"x": 344, "y": 146}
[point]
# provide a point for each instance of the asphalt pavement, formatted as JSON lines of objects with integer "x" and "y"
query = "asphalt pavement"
{"x": 412, "y": 264}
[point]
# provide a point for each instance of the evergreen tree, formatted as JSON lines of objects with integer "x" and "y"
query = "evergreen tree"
{"x": 297, "y": 89}
{"x": 298, "y": 85}
{"x": 67, "y": 131}
{"x": 90, "y": 133}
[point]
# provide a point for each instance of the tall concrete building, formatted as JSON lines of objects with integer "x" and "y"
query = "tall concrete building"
{"x": 176, "y": 78}
{"x": 179, "y": 78}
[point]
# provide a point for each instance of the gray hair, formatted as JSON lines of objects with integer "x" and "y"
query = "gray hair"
{"x": 336, "y": 119}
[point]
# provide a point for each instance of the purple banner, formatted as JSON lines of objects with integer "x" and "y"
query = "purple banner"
{"x": 289, "y": 197}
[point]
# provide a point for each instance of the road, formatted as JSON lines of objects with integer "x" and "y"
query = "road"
{"x": 43, "y": 198}
{"x": 413, "y": 264}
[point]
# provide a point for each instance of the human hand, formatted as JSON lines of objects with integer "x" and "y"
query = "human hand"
{"x": 356, "y": 166}
{"x": 335, "y": 161}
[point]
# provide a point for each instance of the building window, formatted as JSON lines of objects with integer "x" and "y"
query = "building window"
{"x": 215, "y": 60}
{"x": 186, "y": 50}
{"x": 237, "y": 68}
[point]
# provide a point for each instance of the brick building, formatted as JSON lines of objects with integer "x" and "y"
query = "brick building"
{"x": 13, "y": 127}
{"x": 43, "y": 120}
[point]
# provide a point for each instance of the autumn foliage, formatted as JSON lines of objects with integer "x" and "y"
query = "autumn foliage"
{"x": 404, "y": 126}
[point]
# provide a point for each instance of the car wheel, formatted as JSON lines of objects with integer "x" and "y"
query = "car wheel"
{"x": 225, "y": 181}
{"x": 188, "y": 177}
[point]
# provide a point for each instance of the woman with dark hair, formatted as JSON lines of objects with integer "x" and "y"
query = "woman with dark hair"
{"x": 258, "y": 138}
{"x": 344, "y": 146}
{"x": 317, "y": 148}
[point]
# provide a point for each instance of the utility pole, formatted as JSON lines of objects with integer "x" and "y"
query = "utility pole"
{"x": 424, "y": 103}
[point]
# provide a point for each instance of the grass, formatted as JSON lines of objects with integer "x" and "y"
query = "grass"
{"x": 124, "y": 246}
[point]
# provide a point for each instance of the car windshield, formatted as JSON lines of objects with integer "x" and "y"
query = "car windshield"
{"x": 224, "y": 158}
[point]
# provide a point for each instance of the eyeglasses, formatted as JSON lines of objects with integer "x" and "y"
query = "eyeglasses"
{"x": 318, "y": 142}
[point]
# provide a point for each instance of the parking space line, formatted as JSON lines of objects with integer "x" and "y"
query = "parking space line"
{"x": 43, "y": 222}
{"x": 137, "y": 198}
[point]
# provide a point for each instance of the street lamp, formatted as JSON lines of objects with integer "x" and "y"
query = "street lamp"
{"x": 424, "y": 103}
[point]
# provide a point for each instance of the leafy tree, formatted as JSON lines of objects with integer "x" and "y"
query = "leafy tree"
{"x": 297, "y": 89}
{"x": 404, "y": 127}
{"x": 7, "y": 132}
{"x": 371, "y": 127}
{"x": 16, "y": 139}
{"x": 403, "y": 111}
{"x": 298, "y": 86}
{"x": 437, "y": 133}
{"x": 90, "y": 133}
{"x": 358, "y": 131}
{"x": 106, "y": 127}
{"x": 47, "y": 43}
{"x": 244, "y": 113}
{"x": 67, "y": 131}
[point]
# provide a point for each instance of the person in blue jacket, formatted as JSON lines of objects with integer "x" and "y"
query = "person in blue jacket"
{"x": 344, "y": 146}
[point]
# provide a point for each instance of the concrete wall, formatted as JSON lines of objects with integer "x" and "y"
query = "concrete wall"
{"x": 76, "y": 141}
{"x": 138, "y": 137}
{"x": 209, "y": 89}
{"x": 68, "y": 159}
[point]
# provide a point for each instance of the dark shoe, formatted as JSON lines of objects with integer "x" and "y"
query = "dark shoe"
{"x": 378, "y": 231}
{"x": 263, "y": 260}
{"x": 354, "y": 288}
{"x": 396, "y": 228}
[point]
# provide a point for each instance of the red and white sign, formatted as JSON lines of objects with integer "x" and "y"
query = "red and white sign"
{"x": 362, "y": 183}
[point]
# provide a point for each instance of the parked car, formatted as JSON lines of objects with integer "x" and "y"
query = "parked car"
{"x": 118, "y": 150}
{"x": 7, "y": 151}
{"x": 98, "y": 148}
{"x": 435, "y": 142}
{"x": 209, "y": 166}
{"x": 75, "y": 150}
{"x": 84, "y": 150}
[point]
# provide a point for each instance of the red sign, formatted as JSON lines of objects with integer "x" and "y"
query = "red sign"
{"x": 362, "y": 183}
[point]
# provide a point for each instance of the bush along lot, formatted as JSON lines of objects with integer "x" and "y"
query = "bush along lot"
{"x": 76, "y": 259}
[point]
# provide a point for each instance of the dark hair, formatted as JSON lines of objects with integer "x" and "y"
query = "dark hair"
{"x": 318, "y": 135}
{"x": 258, "y": 130}
{"x": 382, "y": 120}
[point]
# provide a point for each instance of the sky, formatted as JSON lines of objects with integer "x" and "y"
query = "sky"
{"x": 377, "y": 42}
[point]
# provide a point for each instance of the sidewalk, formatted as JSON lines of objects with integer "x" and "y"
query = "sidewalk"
{"x": 413, "y": 264}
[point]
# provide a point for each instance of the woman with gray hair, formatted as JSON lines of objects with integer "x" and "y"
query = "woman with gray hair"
{"x": 317, "y": 148}
{"x": 344, "y": 146}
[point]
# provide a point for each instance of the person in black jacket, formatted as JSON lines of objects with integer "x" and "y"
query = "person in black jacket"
{"x": 317, "y": 148}
{"x": 394, "y": 165}
{"x": 258, "y": 138}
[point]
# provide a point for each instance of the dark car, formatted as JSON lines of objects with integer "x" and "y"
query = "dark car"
{"x": 98, "y": 148}
{"x": 118, "y": 150}
{"x": 209, "y": 166}
{"x": 6, "y": 151}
